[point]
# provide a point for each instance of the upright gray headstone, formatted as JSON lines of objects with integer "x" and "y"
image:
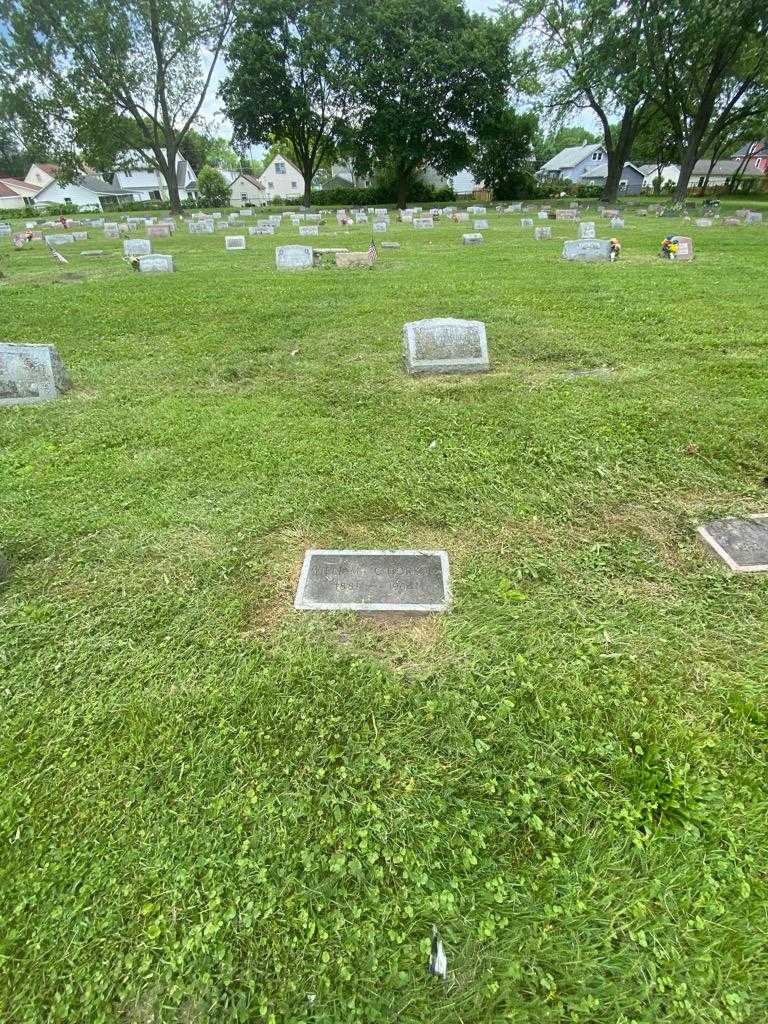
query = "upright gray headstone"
{"x": 306, "y": 230}
{"x": 293, "y": 257}
{"x": 30, "y": 373}
{"x": 60, "y": 239}
{"x": 380, "y": 226}
{"x": 587, "y": 229}
{"x": 587, "y": 250}
{"x": 445, "y": 345}
{"x": 234, "y": 242}
{"x": 542, "y": 233}
{"x": 472, "y": 239}
{"x": 526, "y": 222}
{"x": 753, "y": 218}
{"x": 137, "y": 247}
{"x": 156, "y": 264}
{"x": 374, "y": 581}
{"x": 480, "y": 225}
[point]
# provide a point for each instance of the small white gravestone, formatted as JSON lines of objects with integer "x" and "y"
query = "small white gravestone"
{"x": 617, "y": 222}
{"x": 526, "y": 222}
{"x": 215, "y": 215}
{"x": 753, "y": 218}
{"x": 5, "y": 229}
{"x": 445, "y": 345}
{"x": 480, "y": 225}
{"x": 137, "y": 247}
{"x": 379, "y": 226}
{"x": 703, "y": 222}
{"x": 309, "y": 229}
{"x": 156, "y": 264}
{"x": 293, "y": 257}
{"x": 80, "y": 236}
{"x": 232, "y": 242}
{"x": 111, "y": 230}
{"x": 361, "y": 218}
{"x": 543, "y": 215}
{"x": 30, "y": 373}
{"x": 246, "y": 212}
{"x": 472, "y": 239}
{"x": 313, "y": 218}
{"x": 201, "y": 227}
{"x": 380, "y": 212}
{"x": 587, "y": 229}
{"x": 60, "y": 239}
{"x": 423, "y": 222}
{"x": 540, "y": 233}
{"x": 158, "y": 230}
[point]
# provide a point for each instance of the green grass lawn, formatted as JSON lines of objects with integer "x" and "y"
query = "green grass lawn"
{"x": 217, "y": 809}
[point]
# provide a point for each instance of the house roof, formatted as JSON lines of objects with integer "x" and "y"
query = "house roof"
{"x": 600, "y": 170}
{"x": 93, "y": 183}
{"x": 6, "y": 192}
{"x": 723, "y": 169}
{"x": 757, "y": 148}
{"x": 18, "y": 186}
{"x": 284, "y": 159}
{"x": 250, "y": 178}
{"x": 570, "y": 156}
{"x": 48, "y": 168}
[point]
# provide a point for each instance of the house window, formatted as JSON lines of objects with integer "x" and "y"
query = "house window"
{"x": 270, "y": 184}
{"x": 294, "y": 184}
{"x": 244, "y": 196}
{"x": 596, "y": 155}
{"x": 701, "y": 183}
{"x": 279, "y": 168}
{"x": 67, "y": 201}
{"x": 622, "y": 186}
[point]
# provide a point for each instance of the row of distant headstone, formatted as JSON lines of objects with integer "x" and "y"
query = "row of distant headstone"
{"x": 369, "y": 581}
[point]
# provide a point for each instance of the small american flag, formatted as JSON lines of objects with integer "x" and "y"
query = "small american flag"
{"x": 373, "y": 252}
{"x": 57, "y": 255}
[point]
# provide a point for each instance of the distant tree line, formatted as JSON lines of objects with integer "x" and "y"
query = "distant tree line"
{"x": 390, "y": 88}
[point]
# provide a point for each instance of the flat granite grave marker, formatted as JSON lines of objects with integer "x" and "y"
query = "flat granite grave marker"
{"x": 587, "y": 229}
{"x": 390, "y": 245}
{"x": 741, "y": 543}
{"x": 293, "y": 257}
{"x": 423, "y": 222}
{"x": 309, "y": 229}
{"x": 232, "y": 242}
{"x": 137, "y": 247}
{"x": 5, "y": 229}
{"x": 30, "y": 373}
{"x": 480, "y": 225}
{"x": 374, "y": 581}
{"x": 753, "y": 218}
{"x": 155, "y": 264}
{"x": 617, "y": 222}
{"x": 60, "y": 239}
{"x": 703, "y": 222}
{"x": 472, "y": 239}
{"x": 201, "y": 227}
{"x": 445, "y": 345}
{"x": 380, "y": 226}
{"x": 158, "y": 230}
{"x": 587, "y": 250}
{"x": 541, "y": 233}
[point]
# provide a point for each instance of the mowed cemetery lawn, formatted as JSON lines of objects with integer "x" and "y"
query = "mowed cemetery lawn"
{"x": 215, "y": 808}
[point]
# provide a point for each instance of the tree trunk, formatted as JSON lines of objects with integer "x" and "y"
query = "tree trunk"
{"x": 402, "y": 189}
{"x": 618, "y": 153}
{"x": 309, "y": 176}
{"x": 172, "y": 180}
{"x": 686, "y": 169}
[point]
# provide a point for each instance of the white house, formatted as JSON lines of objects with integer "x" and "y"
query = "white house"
{"x": 146, "y": 182}
{"x": 280, "y": 178}
{"x": 41, "y": 174}
{"x": 247, "y": 190}
{"x": 669, "y": 173}
{"x": 87, "y": 191}
{"x": 16, "y": 194}
{"x": 573, "y": 163}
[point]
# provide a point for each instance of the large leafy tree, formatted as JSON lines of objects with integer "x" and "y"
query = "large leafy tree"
{"x": 710, "y": 63}
{"x": 504, "y": 152}
{"x": 287, "y": 79}
{"x": 424, "y": 76}
{"x": 98, "y": 64}
{"x": 593, "y": 52}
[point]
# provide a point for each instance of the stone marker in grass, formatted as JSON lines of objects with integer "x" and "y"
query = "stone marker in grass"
{"x": 293, "y": 257}
{"x": 201, "y": 227}
{"x": 587, "y": 229}
{"x": 617, "y": 223}
{"x": 232, "y": 242}
{"x": 703, "y": 222}
{"x": 472, "y": 239}
{"x": 57, "y": 240}
{"x": 5, "y": 230}
{"x": 380, "y": 226}
{"x": 684, "y": 248}
{"x": 423, "y": 222}
{"x": 526, "y": 222}
{"x": 541, "y": 233}
{"x": 156, "y": 264}
{"x": 390, "y": 245}
{"x": 445, "y": 345}
{"x": 480, "y": 225}
{"x": 309, "y": 229}
{"x": 753, "y": 218}
{"x": 137, "y": 247}
{"x": 158, "y": 230}
{"x": 374, "y": 581}
{"x": 587, "y": 250}
{"x": 30, "y": 373}
{"x": 741, "y": 543}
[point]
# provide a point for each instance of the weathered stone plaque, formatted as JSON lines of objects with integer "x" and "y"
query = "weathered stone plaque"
{"x": 234, "y": 242}
{"x": 390, "y": 245}
{"x": 60, "y": 239}
{"x": 753, "y": 218}
{"x": 703, "y": 222}
{"x": 543, "y": 215}
{"x": 155, "y": 264}
{"x": 5, "y": 229}
{"x": 111, "y": 230}
{"x": 137, "y": 247}
{"x": 445, "y": 345}
{"x": 741, "y": 543}
{"x": 526, "y": 222}
{"x": 30, "y": 373}
{"x": 374, "y": 581}
{"x": 684, "y": 248}
{"x": 380, "y": 226}
{"x": 158, "y": 230}
{"x": 309, "y": 229}
{"x": 361, "y": 218}
{"x": 80, "y": 236}
{"x": 566, "y": 214}
{"x": 423, "y": 222}
{"x": 472, "y": 239}
{"x": 617, "y": 222}
{"x": 293, "y": 257}
{"x": 587, "y": 229}
{"x": 541, "y": 233}
{"x": 480, "y": 225}
{"x": 587, "y": 250}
